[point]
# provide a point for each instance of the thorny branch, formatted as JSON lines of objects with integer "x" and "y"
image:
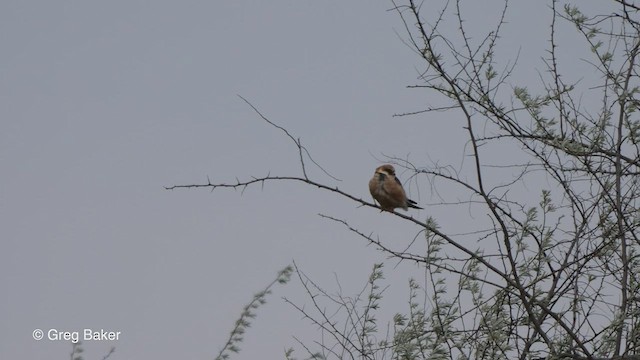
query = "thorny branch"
{"x": 556, "y": 279}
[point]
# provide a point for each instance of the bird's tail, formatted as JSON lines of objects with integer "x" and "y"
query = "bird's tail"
{"x": 413, "y": 204}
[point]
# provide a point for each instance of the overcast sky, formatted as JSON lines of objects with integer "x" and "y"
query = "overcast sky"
{"x": 104, "y": 103}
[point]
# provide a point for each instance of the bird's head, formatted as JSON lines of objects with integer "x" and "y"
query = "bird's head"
{"x": 386, "y": 169}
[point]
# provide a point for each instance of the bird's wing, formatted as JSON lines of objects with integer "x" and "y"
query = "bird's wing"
{"x": 409, "y": 202}
{"x": 396, "y": 192}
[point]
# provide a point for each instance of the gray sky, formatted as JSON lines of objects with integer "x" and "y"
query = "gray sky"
{"x": 105, "y": 103}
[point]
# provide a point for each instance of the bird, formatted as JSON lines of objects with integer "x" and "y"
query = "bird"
{"x": 387, "y": 190}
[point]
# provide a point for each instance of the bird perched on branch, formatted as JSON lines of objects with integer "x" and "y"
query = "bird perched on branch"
{"x": 387, "y": 190}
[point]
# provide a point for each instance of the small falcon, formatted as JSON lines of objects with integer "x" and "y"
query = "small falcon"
{"x": 387, "y": 190}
